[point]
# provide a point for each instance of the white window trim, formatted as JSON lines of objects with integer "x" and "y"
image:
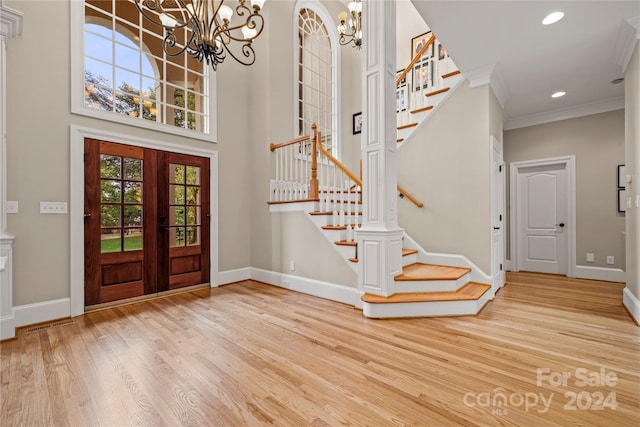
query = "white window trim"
{"x": 77, "y": 89}
{"x": 76, "y": 202}
{"x": 319, "y": 9}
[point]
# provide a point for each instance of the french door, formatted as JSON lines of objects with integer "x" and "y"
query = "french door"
{"x": 146, "y": 221}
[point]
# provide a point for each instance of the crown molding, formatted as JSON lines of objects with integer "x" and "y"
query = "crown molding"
{"x": 587, "y": 109}
{"x": 489, "y": 75}
{"x": 10, "y": 22}
{"x": 628, "y": 35}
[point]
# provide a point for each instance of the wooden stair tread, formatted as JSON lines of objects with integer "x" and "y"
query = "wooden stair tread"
{"x": 339, "y": 227}
{"x": 420, "y": 110}
{"x": 353, "y": 259}
{"x": 410, "y": 125}
{"x": 470, "y": 291}
{"x": 434, "y": 93}
{"x": 280, "y": 202}
{"x": 451, "y": 74}
{"x": 421, "y": 272}
{"x": 345, "y": 243}
{"x": 399, "y": 140}
{"x": 406, "y": 252}
{"x": 331, "y": 213}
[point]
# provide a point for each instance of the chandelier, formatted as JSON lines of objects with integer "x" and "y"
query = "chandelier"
{"x": 355, "y": 25}
{"x": 212, "y": 30}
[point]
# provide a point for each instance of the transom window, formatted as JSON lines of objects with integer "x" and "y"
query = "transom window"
{"x": 127, "y": 72}
{"x": 316, "y": 78}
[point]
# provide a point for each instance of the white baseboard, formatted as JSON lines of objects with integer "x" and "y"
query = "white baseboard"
{"x": 7, "y": 327}
{"x": 232, "y": 276}
{"x": 600, "y": 273}
{"x": 632, "y": 303}
{"x": 42, "y": 311}
{"x": 317, "y": 288}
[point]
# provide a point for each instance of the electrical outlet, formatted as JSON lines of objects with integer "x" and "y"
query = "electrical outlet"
{"x": 292, "y": 265}
{"x": 610, "y": 260}
{"x": 12, "y": 207}
{"x": 53, "y": 207}
{"x": 590, "y": 257}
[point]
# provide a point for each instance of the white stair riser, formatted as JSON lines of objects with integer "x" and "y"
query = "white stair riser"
{"x": 426, "y": 309}
{"x": 409, "y": 259}
{"x": 431, "y": 285}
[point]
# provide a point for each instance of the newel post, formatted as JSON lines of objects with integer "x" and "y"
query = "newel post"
{"x": 313, "y": 183}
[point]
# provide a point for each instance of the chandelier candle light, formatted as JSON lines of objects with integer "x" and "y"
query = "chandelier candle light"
{"x": 211, "y": 28}
{"x": 355, "y": 25}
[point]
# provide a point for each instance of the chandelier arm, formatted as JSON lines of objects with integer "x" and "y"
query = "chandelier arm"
{"x": 255, "y": 21}
{"x": 156, "y": 6}
{"x": 247, "y": 52}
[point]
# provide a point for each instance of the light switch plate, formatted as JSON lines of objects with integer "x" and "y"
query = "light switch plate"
{"x": 53, "y": 207}
{"x": 12, "y": 207}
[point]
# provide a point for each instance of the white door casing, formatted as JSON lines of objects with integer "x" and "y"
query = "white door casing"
{"x": 543, "y": 216}
{"x": 497, "y": 214}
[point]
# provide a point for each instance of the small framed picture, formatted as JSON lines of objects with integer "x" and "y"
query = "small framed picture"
{"x": 404, "y": 79}
{"x": 441, "y": 52}
{"x": 622, "y": 200}
{"x": 418, "y": 42}
{"x": 621, "y": 173}
{"x": 402, "y": 98}
{"x": 357, "y": 123}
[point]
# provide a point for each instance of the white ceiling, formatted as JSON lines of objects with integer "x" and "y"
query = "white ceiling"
{"x": 531, "y": 60}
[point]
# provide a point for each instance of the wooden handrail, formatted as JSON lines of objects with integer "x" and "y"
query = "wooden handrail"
{"x": 274, "y": 147}
{"x": 340, "y": 166}
{"x": 410, "y": 197}
{"x": 415, "y": 59}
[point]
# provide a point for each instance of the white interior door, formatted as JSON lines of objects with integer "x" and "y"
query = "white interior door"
{"x": 542, "y": 218}
{"x": 497, "y": 214}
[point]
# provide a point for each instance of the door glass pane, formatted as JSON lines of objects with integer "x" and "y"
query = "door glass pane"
{"x": 193, "y": 195}
{"x": 193, "y": 175}
{"x": 176, "y": 194}
{"x": 110, "y": 191}
{"x": 110, "y": 215}
{"x": 133, "y": 239}
{"x": 176, "y": 236}
{"x": 133, "y": 216}
{"x": 193, "y": 215}
{"x": 132, "y": 192}
{"x": 133, "y": 169}
{"x": 110, "y": 166}
{"x": 176, "y": 174}
{"x": 176, "y": 215}
{"x": 110, "y": 241}
{"x": 193, "y": 236}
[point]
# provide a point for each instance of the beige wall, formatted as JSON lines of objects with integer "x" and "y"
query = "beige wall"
{"x": 38, "y": 122}
{"x": 632, "y": 159}
{"x": 273, "y": 236}
{"x": 597, "y": 141}
{"x": 447, "y": 167}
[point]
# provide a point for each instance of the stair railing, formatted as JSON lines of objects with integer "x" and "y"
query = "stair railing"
{"x": 425, "y": 74}
{"x": 306, "y": 171}
{"x": 296, "y": 170}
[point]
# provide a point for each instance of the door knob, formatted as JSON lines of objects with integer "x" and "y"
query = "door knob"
{"x": 164, "y": 228}
{"x": 561, "y": 224}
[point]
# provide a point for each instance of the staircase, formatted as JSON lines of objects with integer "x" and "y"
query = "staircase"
{"x": 330, "y": 195}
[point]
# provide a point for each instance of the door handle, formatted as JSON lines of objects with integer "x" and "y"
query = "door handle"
{"x": 560, "y": 225}
{"x": 164, "y": 228}
{"x": 496, "y": 228}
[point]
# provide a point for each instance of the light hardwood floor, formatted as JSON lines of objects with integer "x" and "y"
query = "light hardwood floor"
{"x": 252, "y": 354}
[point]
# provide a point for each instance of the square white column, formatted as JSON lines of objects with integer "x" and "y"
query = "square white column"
{"x": 380, "y": 238}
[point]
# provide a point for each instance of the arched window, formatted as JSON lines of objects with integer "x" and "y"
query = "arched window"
{"x": 316, "y": 74}
{"x": 126, "y": 71}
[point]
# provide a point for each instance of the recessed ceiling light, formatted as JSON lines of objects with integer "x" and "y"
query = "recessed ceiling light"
{"x": 558, "y": 94}
{"x": 617, "y": 81}
{"x": 552, "y": 18}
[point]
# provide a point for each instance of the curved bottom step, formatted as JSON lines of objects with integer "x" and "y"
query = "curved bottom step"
{"x": 468, "y": 300}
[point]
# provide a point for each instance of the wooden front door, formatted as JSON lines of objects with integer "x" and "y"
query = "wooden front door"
{"x": 146, "y": 221}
